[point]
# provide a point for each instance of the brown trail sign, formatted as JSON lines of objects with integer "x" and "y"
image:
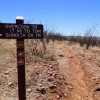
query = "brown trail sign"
{"x": 21, "y": 31}
{"x": 25, "y": 31}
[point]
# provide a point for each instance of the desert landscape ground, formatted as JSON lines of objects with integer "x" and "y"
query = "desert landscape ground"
{"x": 65, "y": 71}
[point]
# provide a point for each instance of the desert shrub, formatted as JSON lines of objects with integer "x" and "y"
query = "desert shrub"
{"x": 48, "y": 34}
{"x": 51, "y": 34}
{"x": 88, "y": 39}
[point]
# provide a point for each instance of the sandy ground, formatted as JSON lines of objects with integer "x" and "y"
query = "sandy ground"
{"x": 64, "y": 72}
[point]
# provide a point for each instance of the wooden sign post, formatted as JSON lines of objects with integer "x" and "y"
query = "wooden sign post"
{"x": 21, "y": 31}
{"x": 21, "y": 64}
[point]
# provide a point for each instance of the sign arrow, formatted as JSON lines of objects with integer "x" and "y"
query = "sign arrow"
{"x": 0, "y": 34}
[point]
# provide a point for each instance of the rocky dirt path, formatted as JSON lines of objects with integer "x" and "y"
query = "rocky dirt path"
{"x": 80, "y": 90}
{"x": 60, "y": 74}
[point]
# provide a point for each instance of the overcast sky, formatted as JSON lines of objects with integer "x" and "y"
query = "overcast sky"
{"x": 67, "y": 16}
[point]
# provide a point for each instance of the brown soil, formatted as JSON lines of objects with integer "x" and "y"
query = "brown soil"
{"x": 63, "y": 73}
{"x": 76, "y": 67}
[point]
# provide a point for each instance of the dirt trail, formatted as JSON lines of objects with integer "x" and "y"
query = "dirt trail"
{"x": 60, "y": 74}
{"x": 76, "y": 67}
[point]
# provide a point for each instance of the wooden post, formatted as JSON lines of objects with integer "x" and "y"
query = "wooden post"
{"x": 21, "y": 32}
{"x": 21, "y": 63}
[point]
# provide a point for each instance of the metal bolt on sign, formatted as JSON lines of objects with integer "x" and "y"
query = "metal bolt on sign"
{"x": 21, "y": 31}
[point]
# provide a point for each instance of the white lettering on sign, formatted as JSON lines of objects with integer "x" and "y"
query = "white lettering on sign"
{"x": 27, "y": 30}
{"x": 22, "y": 35}
{"x": 38, "y": 35}
{"x": 12, "y": 35}
{"x": 34, "y": 26}
{"x": 12, "y": 30}
{"x": 37, "y": 31}
{"x": 19, "y": 30}
{"x": 8, "y": 26}
{"x": 30, "y": 35}
{"x": 24, "y": 26}
{"x": 17, "y": 26}
{"x": 0, "y": 34}
{"x": 15, "y": 35}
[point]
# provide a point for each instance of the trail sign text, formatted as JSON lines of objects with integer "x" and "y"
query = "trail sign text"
{"x": 25, "y": 31}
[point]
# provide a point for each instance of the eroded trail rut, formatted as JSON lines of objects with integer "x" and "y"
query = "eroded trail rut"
{"x": 80, "y": 89}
